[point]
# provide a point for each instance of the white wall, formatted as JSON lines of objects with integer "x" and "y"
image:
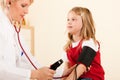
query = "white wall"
{"x": 49, "y": 19}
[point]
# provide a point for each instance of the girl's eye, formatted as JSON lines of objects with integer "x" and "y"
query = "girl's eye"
{"x": 23, "y": 5}
{"x": 73, "y": 19}
{"x": 67, "y": 19}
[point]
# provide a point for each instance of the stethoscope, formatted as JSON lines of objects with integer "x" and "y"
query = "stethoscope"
{"x": 24, "y": 52}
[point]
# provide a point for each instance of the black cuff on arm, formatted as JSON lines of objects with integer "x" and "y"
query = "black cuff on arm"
{"x": 86, "y": 56}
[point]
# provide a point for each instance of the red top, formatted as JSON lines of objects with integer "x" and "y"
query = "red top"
{"x": 96, "y": 71}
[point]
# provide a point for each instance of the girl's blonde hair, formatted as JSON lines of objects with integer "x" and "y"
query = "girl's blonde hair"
{"x": 3, "y": 3}
{"x": 88, "y": 28}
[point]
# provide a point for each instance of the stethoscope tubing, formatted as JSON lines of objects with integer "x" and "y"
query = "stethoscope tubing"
{"x": 22, "y": 47}
{"x": 24, "y": 52}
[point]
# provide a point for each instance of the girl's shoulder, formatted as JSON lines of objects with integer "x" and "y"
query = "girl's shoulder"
{"x": 91, "y": 43}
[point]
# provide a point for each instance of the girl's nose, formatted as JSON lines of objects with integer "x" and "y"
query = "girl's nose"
{"x": 26, "y": 11}
{"x": 69, "y": 22}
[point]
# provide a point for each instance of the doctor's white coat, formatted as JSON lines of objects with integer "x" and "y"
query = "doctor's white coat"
{"x": 13, "y": 66}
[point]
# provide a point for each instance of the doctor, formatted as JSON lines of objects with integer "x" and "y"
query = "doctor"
{"x": 14, "y": 65}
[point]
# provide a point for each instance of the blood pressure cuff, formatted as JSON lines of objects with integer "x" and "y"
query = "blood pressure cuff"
{"x": 86, "y": 56}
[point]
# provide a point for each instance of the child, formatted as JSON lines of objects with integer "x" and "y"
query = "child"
{"x": 82, "y": 49}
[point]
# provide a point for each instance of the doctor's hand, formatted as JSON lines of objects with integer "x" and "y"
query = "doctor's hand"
{"x": 43, "y": 73}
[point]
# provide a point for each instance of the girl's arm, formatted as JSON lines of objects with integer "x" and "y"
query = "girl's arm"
{"x": 76, "y": 72}
{"x": 67, "y": 70}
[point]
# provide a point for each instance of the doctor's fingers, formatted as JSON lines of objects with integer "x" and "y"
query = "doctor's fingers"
{"x": 46, "y": 70}
{"x": 46, "y": 76}
{"x": 46, "y": 73}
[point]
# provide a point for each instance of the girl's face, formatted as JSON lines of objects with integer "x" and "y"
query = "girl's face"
{"x": 74, "y": 23}
{"x": 18, "y": 9}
